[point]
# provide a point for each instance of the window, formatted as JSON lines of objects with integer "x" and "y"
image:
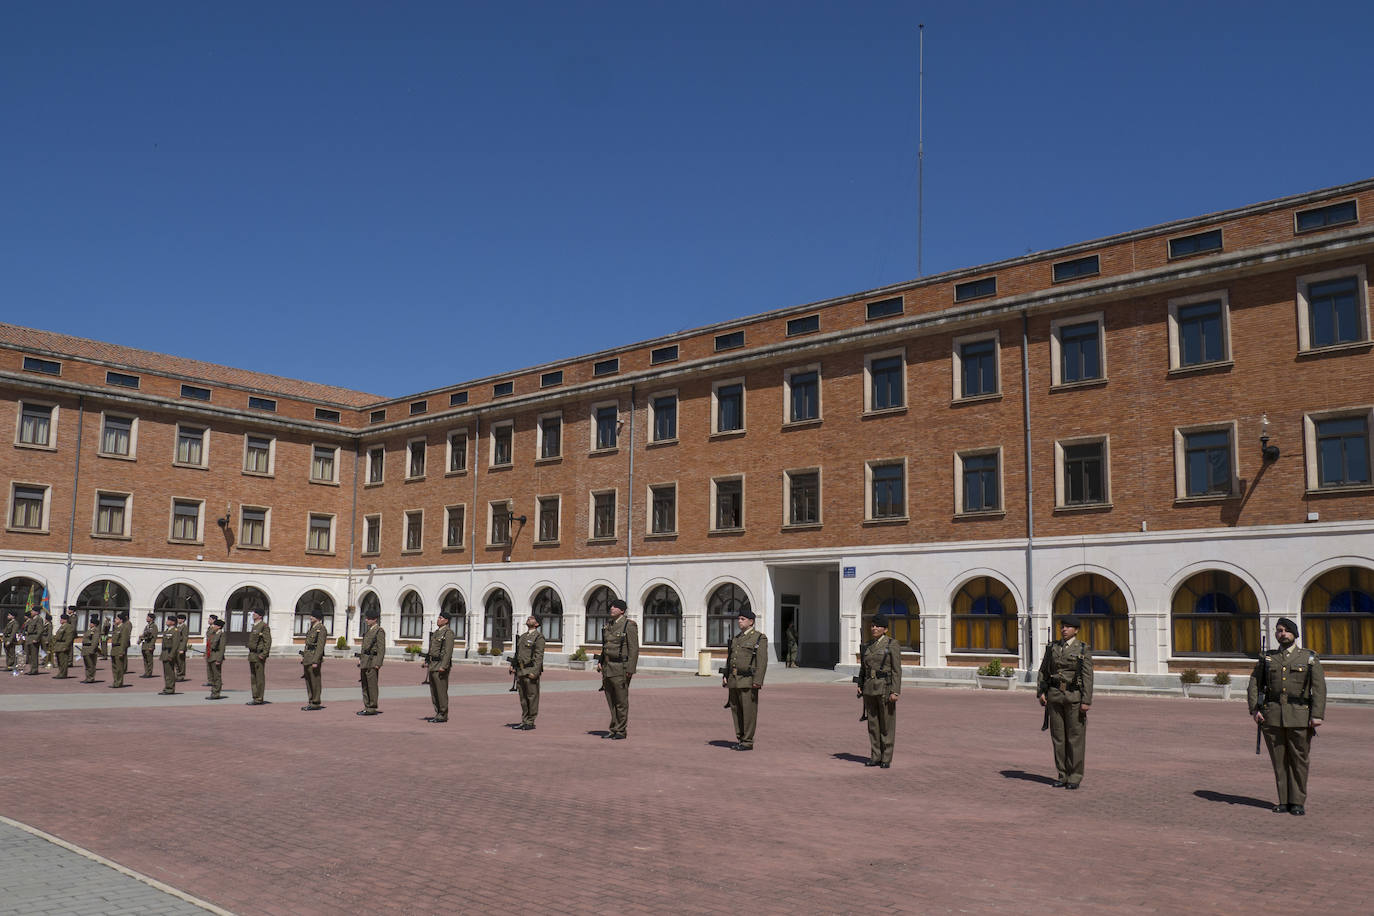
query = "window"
{"x": 802, "y": 390}
{"x": 886, "y": 388}
{"x": 313, "y": 600}
{"x": 1101, "y": 608}
{"x": 258, "y": 454}
{"x": 502, "y": 444}
{"x": 121, "y": 379}
{"x": 1199, "y": 330}
{"x": 45, "y": 366}
{"x": 1325, "y": 217}
{"x": 1076, "y": 349}
{"x": 550, "y": 379}
{"x": 603, "y": 515}
{"x": 498, "y": 620}
{"x": 731, "y": 341}
{"x": 662, "y": 617}
{"x": 884, "y": 308}
{"x": 262, "y": 404}
{"x": 728, "y": 498}
{"x": 975, "y": 289}
{"x": 117, "y": 436}
{"x": 598, "y": 613}
{"x": 195, "y": 392}
{"x": 886, "y": 489}
{"x": 111, "y": 514}
{"x": 458, "y": 452}
{"x": 369, "y": 602}
{"x": 1214, "y": 613}
{"x": 253, "y": 522}
{"x": 1076, "y": 269}
{"x": 1338, "y": 446}
{"x": 1081, "y": 478}
{"x": 606, "y": 366}
{"x": 186, "y": 515}
{"x": 729, "y": 406}
{"x": 548, "y": 519}
{"x": 452, "y": 601}
{"x": 663, "y": 509}
{"x": 975, "y": 366}
{"x": 412, "y": 616}
{"x": 605, "y": 426}
{"x": 805, "y": 325}
{"x": 1338, "y": 613}
{"x": 551, "y": 435}
{"x": 179, "y": 598}
{"x": 376, "y": 464}
{"x": 328, "y": 416}
{"x": 663, "y": 418}
{"x": 414, "y": 530}
{"x": 980, "y": 476}
{"x": 415, "y": 459}
{"x": 458, "y": 399}
{"x": 722, "y": 609}
{"x": 501, "y": 389}
{"x": 324, "y": 464}
{"x": 455, "y": 520}
{"x": 1200, "y": 243}
{"x": 191, "y": 446}
{"x": 984, "y": 617}
{"x": 1204, "y": 459}
{"x": 803, "y": 497}
{"x": 321, "y": 535}
{"x": 1333, "y": 308}
{"x": 897, "y": 602}
{"x": 547, "y": 608}
{"x": 377, "y": 416}
{"x": 666, "y": 354}
{"x": 498, "y": 517}
{"x": 29, "y": 507}
{"x": 36, "y": 425}
{"x": 418, "y": 407}
{"x": 372, "y": 534}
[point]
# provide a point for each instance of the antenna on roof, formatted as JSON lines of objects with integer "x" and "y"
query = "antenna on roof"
{"x": 920, "y": 150}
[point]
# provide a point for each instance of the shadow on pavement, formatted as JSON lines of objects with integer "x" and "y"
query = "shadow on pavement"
{"x": 850, "y": 758}
{"x": 1028, "y": 777}
{"x": 728, "y": 745}
{"x": 1209, "y": 795}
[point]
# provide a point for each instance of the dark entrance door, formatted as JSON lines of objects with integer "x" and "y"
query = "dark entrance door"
{"x": 239, "y": 609}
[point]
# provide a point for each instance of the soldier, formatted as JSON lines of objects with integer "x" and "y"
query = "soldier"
{"x": 370, "y": 661}
{"x": 146, "y": 641}
{"x": 746, "y": 660}
{"x": 214, "y": 657}
{"x": 205, "y": 650}
{"x": 527, "y": 665}
{"x": 1287, "y": 697}
{"x": 62, "y": 642}
{"x": 312, "y": 656}
{"x": 33, "y": 637}
{"x": 90, "y": 647}
{"x": 1064, "y": 686}
{"x": 880, "y": 686}
{"x": 171, "y": 638}
{"x": 790, "y": 644}
{"x": 439, "y": 664}
{"x": 259, "y": 645}
{"x": 119, "y": 649}
{"x": 184, "y": 628}
{"x": 45, "y": 640}
{"x": 105, "y": 636}
{"x": 617, "y": 663}
{"x": 11, "y": 638}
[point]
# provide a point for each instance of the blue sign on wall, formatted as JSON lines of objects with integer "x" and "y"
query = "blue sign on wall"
{"x": 849, "y": 572}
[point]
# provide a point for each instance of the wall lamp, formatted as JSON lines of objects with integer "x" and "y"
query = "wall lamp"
{"x": 1267, "y": 451}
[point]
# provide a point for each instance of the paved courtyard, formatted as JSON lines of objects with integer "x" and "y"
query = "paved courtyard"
{"x": 277, "y": 811}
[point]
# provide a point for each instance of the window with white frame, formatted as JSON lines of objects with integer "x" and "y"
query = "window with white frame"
{"x": 1199, "y": 330}
{"x": 37, "y": 425}
{"x": 1081, "y": 472}
{"x": 550, "y": 431}
{"x": 118, "y": 436}
{"x": 727, "y": 502}
{"x": 414, "y": 531}
{"x": 415, "y": 459}
{"x": 259, "y": 453}
{"x": 455, "y": 521}
{"x": 372, "y": 534}
{"x": 192, "y": 448}
{"x": 112, "y": 515}
{"x": 1338, "y": 448}
{"x": 187, "y": 516}
{"x": 324, "y": 464}
{"x": 727, "y": 406}
{"x": 320, "y": 537}
{"x": 605, "y": 426}
{"x": 1078, "y": 349}
{"x": 1333, "y": 308}
{"x": 801, "y": 392}
{"x": 976, "y": 358}
{"x": 1205, "y": 461}
{"x": 886, "y": 489}
{"x": 979, "y": 481}
{"x": 547, "y": 525}
{"x": 498, "y": 523}
{"x": 458, "y": 451}
{"x": 663, "y": 417}
{"x": 884, "y": 381}
{"x": 502, "y": 444}
{"x": 376, "y": 464}
{"x": 253, "y": 526}
{"x": 802, "y": 497}
{"x": 603, "y": 515}
{"x": 28, "y": 507}
{"x": 663, "y": 508}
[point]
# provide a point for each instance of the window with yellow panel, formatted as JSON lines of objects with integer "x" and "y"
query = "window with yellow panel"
{"x": 1214, "y": 613}
{"x": 1101, "y": 608}
{"x": 984, "y": 617}
{"x": 895, "y": 601}
{"x": 1338, "y": 614}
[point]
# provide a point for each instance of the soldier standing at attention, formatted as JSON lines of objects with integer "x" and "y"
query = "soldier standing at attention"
{"x": 146, "y": 641}
{"x": 259, "y": 644}
{"x": 790, "y": 644}
{"x": 33, "y": 636}
{"x": 312, "y": 656}
{"x": 205, "y": 649}
{"x": 171, "y": 637}
{"x": 439, "y": 664}
{"x": 11, "y": 638}
{"x": 528, "y": 665}
{"x": 370, "y": 661}
{"x": 1287, "y": 697}
{"x": 746, "y": 660}
{"x": 90, "y": 647}
{"x": 62, "y": 642}
{"x": 105, "y": 635}
{"x": 617, "y": 663}
{"x": 1065, "y": 686}
{"x": 880, "y": 684}
{"x": 47, "y": 639}
{"x": 184, "y": 628}
{"x": 119, "y": 649}
{"x": 214, "y": 657}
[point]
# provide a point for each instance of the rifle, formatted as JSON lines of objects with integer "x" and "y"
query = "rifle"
{"x": 514, "y": 675}
{"x": 425, "y": 659}
{"x": 1261, "y": 696}
{"x": 859, "y": 679}
{"x": 1045, "y": 660}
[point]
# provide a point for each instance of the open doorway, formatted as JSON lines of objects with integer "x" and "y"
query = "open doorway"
{"x": 808, "y": 601}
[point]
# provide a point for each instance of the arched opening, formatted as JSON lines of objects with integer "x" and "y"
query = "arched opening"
{"x": 1101, "y": 608}
{"x": 1214, "y": 613}
{"x": 547, "y": 607}
{"x": 598, "y": 613}
{"x": 496, "y": 626}
{"x": 179, "y": 599}
{"x": 897, "y": 602}
{"x": 100, "y": 599}
{"x": 722, "y": 608}
{"x": 310, "y": 601}
{"x": 662, "y": 617}
{"x": 452, "y": 601}
{"x": 412, "y": 616}
{"x": 984, "y": 617}
{"x": 239, "y": 609}
{"x": 1338, "y": 614}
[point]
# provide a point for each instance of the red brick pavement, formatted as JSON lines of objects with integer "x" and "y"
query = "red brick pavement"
{"x": 272, "y": 810}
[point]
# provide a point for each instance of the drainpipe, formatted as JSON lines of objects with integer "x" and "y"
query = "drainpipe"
{"x": 76, "y": 482}
{"x": 1030, "y": 494}
{"x": 472, "y": 539}
{"x": 352, "y": 539}
{"x": 630, "y": 503}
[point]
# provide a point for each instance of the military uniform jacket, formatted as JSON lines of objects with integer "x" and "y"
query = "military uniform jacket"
{"x": 259, "y": 641}
{"x": 1067, "y": 667}
{"x": 63, "y": 639}
{"x": 214, "y": 645}
{"x": 149, "y": 635}
{"x": 374, "y": 647}
{"x": 314, "y": 645}
{"x": 1294, "y": 688}
{"x": 11, "y": 630}
{"x": 881, "y": 664}
{"x": 746, "y": 659}
{"x": 619, "y": 647}
{"x": 183, "y": 636}
{"x": 171, "y": 638}
{"x": 441, "y": 649}
{"x": 33, "y": 629}
{"x": 121, "y": 636}
{"x": 90, "y": 642}
{"x": 529, "y": 654}
{"x": 47, "y": 630}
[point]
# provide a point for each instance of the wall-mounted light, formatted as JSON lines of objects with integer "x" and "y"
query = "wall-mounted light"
{"x": 228, "y": 507}
{"x": 1267, "y": 452}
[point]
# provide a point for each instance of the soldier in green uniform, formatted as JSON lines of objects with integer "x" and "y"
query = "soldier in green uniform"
{"x": 146, "y": 642}
{"x": 617, "y": 663}
{"x": 62, "y": 642}
{"x": 746, "y": 660}
{"x": 11, "y": 638}
{"x": 33, "y": 637}
{"x": 259, "y": 645}
{"x": 312, "y": 657}
{"x": 790, "y": 644}
{"x": 214, "y": 657}
{"x": 90, "y": 648}
{"x": 1064, "y": 686}
{"x": 880, "y": 685}
{"x": 46, "y": 640}
{"x": 119, "y": 649}
{"x": 105, "y": 629}
{"x": 1287, "y": 697}
{"x": 528, "y": 665}
{"x": 184, "y": 628}
{"x": 171, "y": 637}
{"x": 370, "y": 659}
{"x": 439, "y": 664}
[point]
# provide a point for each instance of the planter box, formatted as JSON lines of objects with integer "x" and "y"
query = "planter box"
{"x": 577, "y": 665}
{"x": 485, "y": 660}
{"x": 993, "y": 682}
{"x": 1208, "y": 691}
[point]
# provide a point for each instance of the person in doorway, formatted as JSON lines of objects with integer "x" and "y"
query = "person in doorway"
{"x": 790, "y": 644}
{"x": 746, "y": 661}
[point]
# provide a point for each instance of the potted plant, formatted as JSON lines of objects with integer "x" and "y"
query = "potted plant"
{"x": 578, "y": 660}
{"x": 1218, "y": 689}
{"x": 482, "y": 657}
{"x": 413, "y": 653}
{"x": 341, "y": 644}
{"x": 993, "y": 676}
{"x": 1189, "y": 678}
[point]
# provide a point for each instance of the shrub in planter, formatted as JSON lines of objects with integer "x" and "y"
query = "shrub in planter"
{"x": 994, "y": 669}
{"x": 1221, "y": 677}
{"x": 1190, "y": 676}
{"x": 342, "y": 644}
{"x": 579, "y": 656}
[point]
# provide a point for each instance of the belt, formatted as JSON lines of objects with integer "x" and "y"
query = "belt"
{"x": 609, "y": 659}
{"x": 1292, "y": 702}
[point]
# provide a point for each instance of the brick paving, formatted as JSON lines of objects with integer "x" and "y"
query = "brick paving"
{"x": 280, "y": 811}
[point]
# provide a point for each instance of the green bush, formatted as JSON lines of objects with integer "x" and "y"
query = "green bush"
{"x": 342, "y": 644}
{"x": 1221, "y": 677}
{"x": 1190, "y": 676}
{"x": 481, "y": 650}
{"x": 994, "y": 669}
{"x": 579, "y": 656}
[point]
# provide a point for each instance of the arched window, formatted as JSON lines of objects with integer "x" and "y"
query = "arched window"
{"x": 1101, "y": 607}
{"x": 662, "y": 617}
{"x": 548, "y": 607}
{"x": 722, "y": 608}
{"x": 496, "y": 629}
{"x": 179, "y": 599}
{"x": 452, "y": 601}
{"x": 984, "y": 617}
{"x": 412, "y": 616}
{"x": 101, "y": 598}
{"x": 892, "y": 598}
{"x": 598, "y": 613}
{"x": 1338, "y": 613}
{"x": 239, "y": 609}
{"x": 18, "y": 594}
{"x": 315, "y": 598}
{"x": 1214, "y": 613}
{"x": 370, "y": 602}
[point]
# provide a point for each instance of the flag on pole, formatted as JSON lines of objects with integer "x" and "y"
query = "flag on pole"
{"x": 105, "y": 595}
{"x": 47, "y": 608}
{"x": 28, "y": 602}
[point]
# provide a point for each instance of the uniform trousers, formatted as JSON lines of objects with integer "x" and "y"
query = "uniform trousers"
{"x": 119, "y": 664}
{"x": 882, "y": 726}
{"x": 64, "y": 661}
{"x": 314, "y": 680}
{"x": 528, "y": 688}
{"x": 617, "y": 691}
{"x": 31, "y": 656}
{"x": 369, "y": 679}
{"x": 90, "y": 658}
{"x": 744, "y": 707}
{"x": 1069, "y": 734}
{"x": 438, "y": 693}
{"x": 169, "y": 673}
{"x": 214, "y": 673}
{"x": 257, "y": 672}
{"x": 1288, "y": 751}
{"x": 148, "y": 661}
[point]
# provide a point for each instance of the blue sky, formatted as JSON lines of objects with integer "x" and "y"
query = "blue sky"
{"x": 396, "y": 197}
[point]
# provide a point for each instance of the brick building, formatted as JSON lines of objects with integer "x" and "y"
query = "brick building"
{"x": 1166, "y": 431}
